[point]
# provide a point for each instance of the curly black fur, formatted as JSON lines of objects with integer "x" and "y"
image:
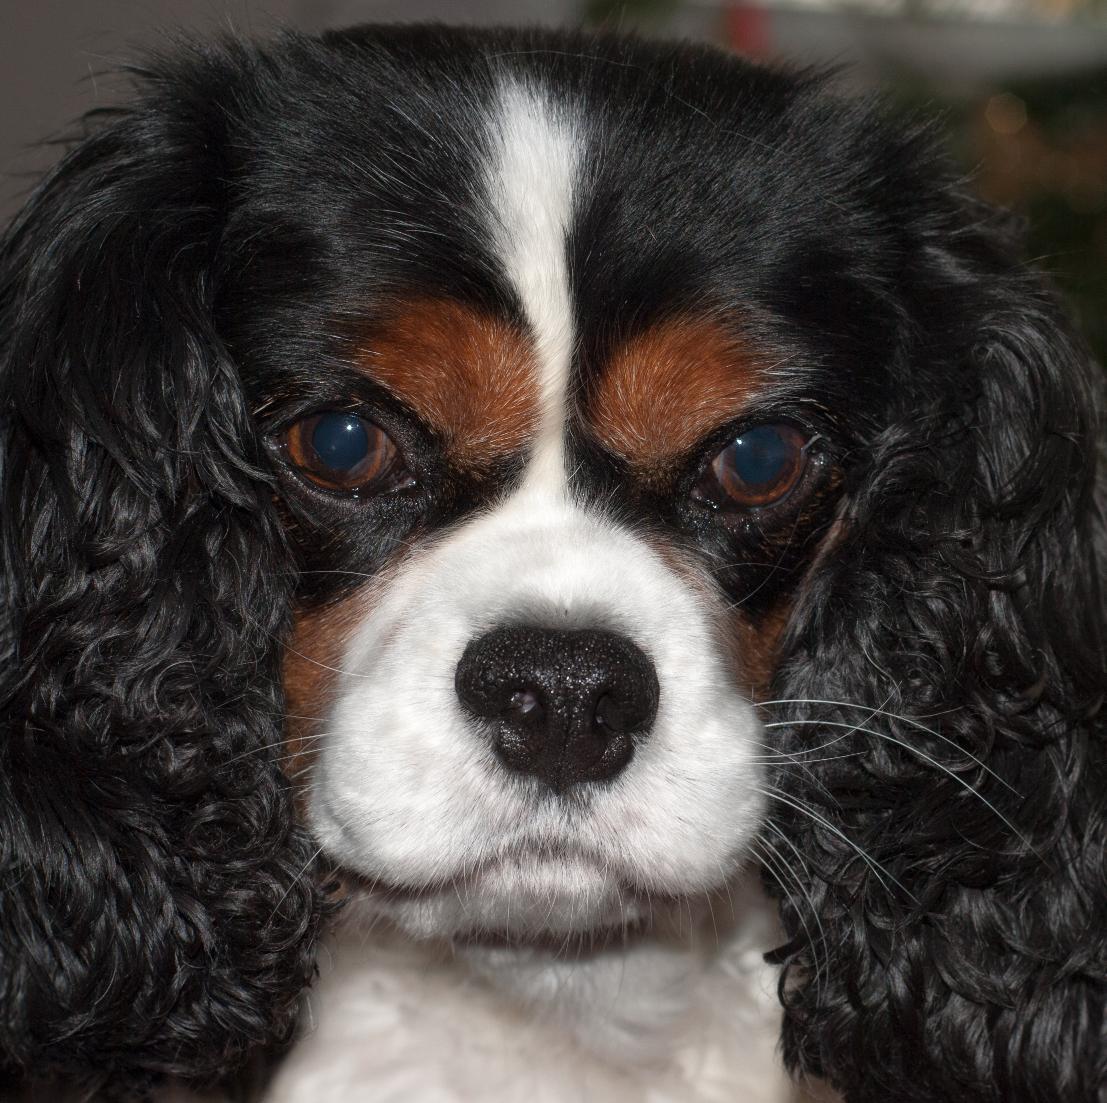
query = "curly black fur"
{"x": 180, "y": 271}
{"x": 957, "y": 861}
{"x": 157, "y": 910}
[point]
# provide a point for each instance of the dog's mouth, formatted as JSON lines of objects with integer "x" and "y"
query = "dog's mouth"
{"x": 576, "y": 943}
{"x": 562, "y": 901}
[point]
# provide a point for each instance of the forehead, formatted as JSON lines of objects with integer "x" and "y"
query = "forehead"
{"x": 462, "y": 203}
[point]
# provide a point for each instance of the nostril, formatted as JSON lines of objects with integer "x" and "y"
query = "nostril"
{"x": 526, "y": 705}
{"x": 613, "y": 716}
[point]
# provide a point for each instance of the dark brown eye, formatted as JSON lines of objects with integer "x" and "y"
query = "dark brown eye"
{"x": 758, "y": 468}
{"x": 343, "y": 452}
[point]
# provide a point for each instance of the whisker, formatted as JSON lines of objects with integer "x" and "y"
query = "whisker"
{"x": 775, "y": 752}
{"x": 780, "y": 864}
{"x": 926, "y": 758}
{"x": 290, "y": 757}
{"x": 295, "y": 880}
{"x": 772, "y": 570}
{"x": 307, "y": 658}
{"x": 303, "y": 771}
{"x": 322, "y": 666}
{"x": 871, "y": 862}
{"x": 809, "y": 761}
{"x": 804, "y": 766}
{"x": 269, "y": 746}
{"x": 894, "y": 716}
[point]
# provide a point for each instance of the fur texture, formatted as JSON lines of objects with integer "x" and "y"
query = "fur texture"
{"x": 156, "y": 918}
{"x": 965, "y": 956}
{"x": 894, "y": 675}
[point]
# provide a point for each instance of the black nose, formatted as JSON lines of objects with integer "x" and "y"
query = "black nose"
{"x": 565, "y": 706}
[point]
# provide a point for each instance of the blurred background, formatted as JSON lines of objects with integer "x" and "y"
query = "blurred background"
{"x": 1021, "y": 84}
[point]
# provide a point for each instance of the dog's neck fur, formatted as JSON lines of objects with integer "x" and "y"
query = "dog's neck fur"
{"x": 670, "y": 1019}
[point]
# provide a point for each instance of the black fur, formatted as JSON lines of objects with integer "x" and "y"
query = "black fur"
{"x": 158, "y": 910}
{"x": 950, "y": 942}
{"x": 190, "y": 278}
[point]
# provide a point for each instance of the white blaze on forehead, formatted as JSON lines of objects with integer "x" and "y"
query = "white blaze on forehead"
{"x": 530, "y": 189}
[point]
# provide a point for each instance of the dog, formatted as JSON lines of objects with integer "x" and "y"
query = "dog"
{"x": 478, "y": 504}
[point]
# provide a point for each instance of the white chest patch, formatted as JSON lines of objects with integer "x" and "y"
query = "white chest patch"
{"x": 395, "y": 1021}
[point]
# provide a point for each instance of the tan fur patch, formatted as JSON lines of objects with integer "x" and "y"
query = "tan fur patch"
{"x": 755, "y": 645}
{"x": 472, "y": 377}
{"x": 665, "y": 389}
{"x": 310, "y": 667}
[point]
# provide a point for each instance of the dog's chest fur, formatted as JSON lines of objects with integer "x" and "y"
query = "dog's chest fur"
{"x": 395, "y": 1020}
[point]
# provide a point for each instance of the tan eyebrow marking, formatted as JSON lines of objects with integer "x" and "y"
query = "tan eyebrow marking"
{"x": 666, "y": 388}
{"x": 471, "y": 376}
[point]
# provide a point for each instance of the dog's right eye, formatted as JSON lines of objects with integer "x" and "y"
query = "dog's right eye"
{"x": 759, "y": 468}
{"x": 344, "y": 453}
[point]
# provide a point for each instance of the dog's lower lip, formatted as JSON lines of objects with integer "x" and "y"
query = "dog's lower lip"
{"x": 556, "y": 942}
{"x": 581, "y": 896}
{"x": 399, "y": 890}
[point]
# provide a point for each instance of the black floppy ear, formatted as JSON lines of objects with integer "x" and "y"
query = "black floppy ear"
{"x": 157, "y": 909}
{"x": 952, "y": 842}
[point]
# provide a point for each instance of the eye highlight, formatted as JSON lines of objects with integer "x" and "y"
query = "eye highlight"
{"x": 758, "y": 468}
{"x": 342, "y": 452}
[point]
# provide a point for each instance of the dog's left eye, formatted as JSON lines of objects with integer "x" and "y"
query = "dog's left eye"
{"x": 761, "y": 466}
{"x": 342, "y": 452}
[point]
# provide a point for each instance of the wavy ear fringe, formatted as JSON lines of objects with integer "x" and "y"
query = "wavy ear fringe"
{"x": 950, "y": 942}
{"x": 157, "y": 904}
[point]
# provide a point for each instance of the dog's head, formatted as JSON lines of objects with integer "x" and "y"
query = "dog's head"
{"x": 532, "y": 410}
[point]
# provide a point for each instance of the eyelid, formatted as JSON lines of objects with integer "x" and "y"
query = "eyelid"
{"x": 721, "y": 488}
{"x": 390, "y": 472}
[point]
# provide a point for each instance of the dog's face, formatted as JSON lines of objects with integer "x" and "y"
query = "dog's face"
{"x": 493, "y": 428}
{"x": 554, "y": 402}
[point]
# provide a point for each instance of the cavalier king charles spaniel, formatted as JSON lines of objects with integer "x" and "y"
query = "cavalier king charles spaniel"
{"x": 477, "y": 505}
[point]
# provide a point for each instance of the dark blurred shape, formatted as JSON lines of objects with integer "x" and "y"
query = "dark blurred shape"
{"x": 611, "y": 13}
{"x": 1041, "y": 149}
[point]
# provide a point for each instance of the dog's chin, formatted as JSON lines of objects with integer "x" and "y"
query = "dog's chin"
{"x": 539, "y": 902}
